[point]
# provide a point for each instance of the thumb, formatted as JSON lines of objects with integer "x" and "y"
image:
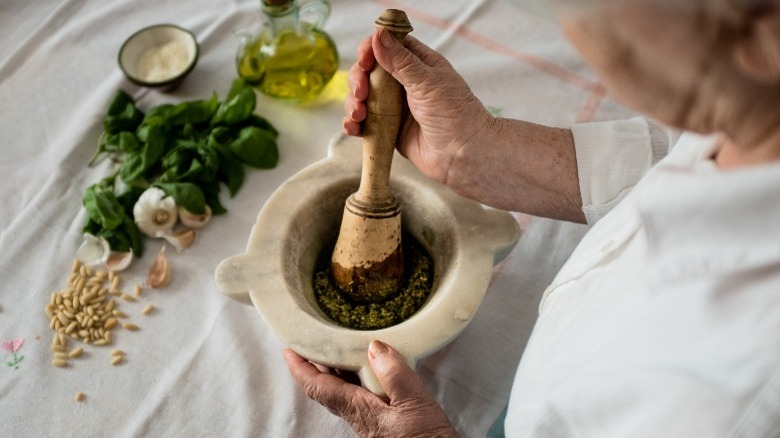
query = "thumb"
{"x": 398, "y": 380}
{"x": 398, "y": 60}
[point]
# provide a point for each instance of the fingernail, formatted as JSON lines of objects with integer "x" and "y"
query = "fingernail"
{"x": 385, "y": 38}
{"x": 376, "y": 348}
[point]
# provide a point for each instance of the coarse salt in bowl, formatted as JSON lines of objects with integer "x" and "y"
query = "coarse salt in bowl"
{"x": 158, "y": 55}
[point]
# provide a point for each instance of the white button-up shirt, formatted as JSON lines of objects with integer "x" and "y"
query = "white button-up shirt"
{"x": 665, "y": 322}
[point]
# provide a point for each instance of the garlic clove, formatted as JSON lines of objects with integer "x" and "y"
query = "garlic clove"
{"x": 192, "y": 220}
{"x": 93, "y": 250}
{"x": 154, "y": 211}
{"x": 119, "y": 261}
{"x": 159, "y": 271}
{"x": 180, "y": 239}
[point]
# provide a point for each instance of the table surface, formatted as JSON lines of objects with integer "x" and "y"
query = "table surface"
{"x": 202, "y": 364}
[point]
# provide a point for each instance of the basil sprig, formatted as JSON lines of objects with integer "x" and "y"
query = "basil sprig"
{"x": 187, "y": 149}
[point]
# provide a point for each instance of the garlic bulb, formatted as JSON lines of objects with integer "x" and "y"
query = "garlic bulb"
{"x": 154, "y": 212}
{"x": 192, "y": 220}
{"x": 93, "y": 250}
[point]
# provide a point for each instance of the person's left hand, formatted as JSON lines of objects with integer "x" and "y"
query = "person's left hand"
{"x": 410, "y": 410}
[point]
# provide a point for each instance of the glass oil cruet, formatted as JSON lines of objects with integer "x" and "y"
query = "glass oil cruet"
{"x": 292, "y": 59}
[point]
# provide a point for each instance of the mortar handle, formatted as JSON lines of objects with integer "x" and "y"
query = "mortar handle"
{"x": 384, "y": 108}
{"x": 231, "y": 278}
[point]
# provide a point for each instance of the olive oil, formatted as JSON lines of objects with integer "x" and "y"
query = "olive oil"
{"x": 291, "y": 65}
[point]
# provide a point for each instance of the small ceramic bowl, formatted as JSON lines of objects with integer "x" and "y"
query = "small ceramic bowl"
{"x": 158, "y": 55}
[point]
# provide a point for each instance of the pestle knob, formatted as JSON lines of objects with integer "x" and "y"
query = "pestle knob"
{"x": 367, "y": 262}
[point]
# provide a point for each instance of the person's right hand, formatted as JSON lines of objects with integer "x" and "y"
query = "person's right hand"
{"x": 445, "y": 116}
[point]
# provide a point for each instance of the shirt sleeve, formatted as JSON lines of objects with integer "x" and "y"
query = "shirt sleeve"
{"x": 611, "y": 158}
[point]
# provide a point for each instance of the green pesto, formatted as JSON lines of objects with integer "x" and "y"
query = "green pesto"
{"x": 413, "y": 292}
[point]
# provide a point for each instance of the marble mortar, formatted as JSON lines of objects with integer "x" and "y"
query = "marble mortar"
{"x": 275, "y": 273}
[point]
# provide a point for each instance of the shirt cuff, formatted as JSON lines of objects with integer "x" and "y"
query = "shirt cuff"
{"x": 611, "y": 158}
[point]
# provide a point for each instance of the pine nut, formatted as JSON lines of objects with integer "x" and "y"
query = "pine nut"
{"x": 127, "y": 297}
{"x": 110, "y": 323}
{"x": 119, "y": 314}
{"x": 88, "y": 297}
{"x": 117, "y": 360}
{"x": 71, "y": 327}
{"x": 130, "y": 326}
{"x": 59, "y": 363}
{"x": 76, "y": 352}
{"x": 80, "y": 396}
{"x": 148, "y": 309}
{"x": 117, "y": 352}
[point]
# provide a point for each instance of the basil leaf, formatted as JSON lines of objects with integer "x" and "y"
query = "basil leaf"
{"x": 211, "y": 193}
{"x": 260, "y": 122}
{"x": 231, "y": 172}
{"x": 193, "y": 112}
{"x": 238, "y": 105}
{"x": 220, "y": 135}
{"x": 124, "y": 141}
{"x": 136, "y": 164}
{"x": 122, "y": 114}
{"x": 192, "y": 161}
{"x": 117, "y": 239}
{"x": 103, "y": 207}
{"x": 255, "y": 147}
{"x": 91, "y": 227}
{"x": 186, "y": 195}
{"x": 134, "y": 235}
{"x": 159, "y": 112}
{"x": 132, "y": 168}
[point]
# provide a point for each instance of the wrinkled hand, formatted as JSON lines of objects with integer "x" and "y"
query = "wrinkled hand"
{"x": 410, "y": 410}
{"x": 445, "y": 116}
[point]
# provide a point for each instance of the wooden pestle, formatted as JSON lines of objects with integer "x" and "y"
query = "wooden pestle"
{"x": 367, "y": 262}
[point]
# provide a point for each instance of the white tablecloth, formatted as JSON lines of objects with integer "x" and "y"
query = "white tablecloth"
{"x": 202, "y": 364}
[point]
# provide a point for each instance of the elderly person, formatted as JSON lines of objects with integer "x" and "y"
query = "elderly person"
{"x": 666, "y": 319}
